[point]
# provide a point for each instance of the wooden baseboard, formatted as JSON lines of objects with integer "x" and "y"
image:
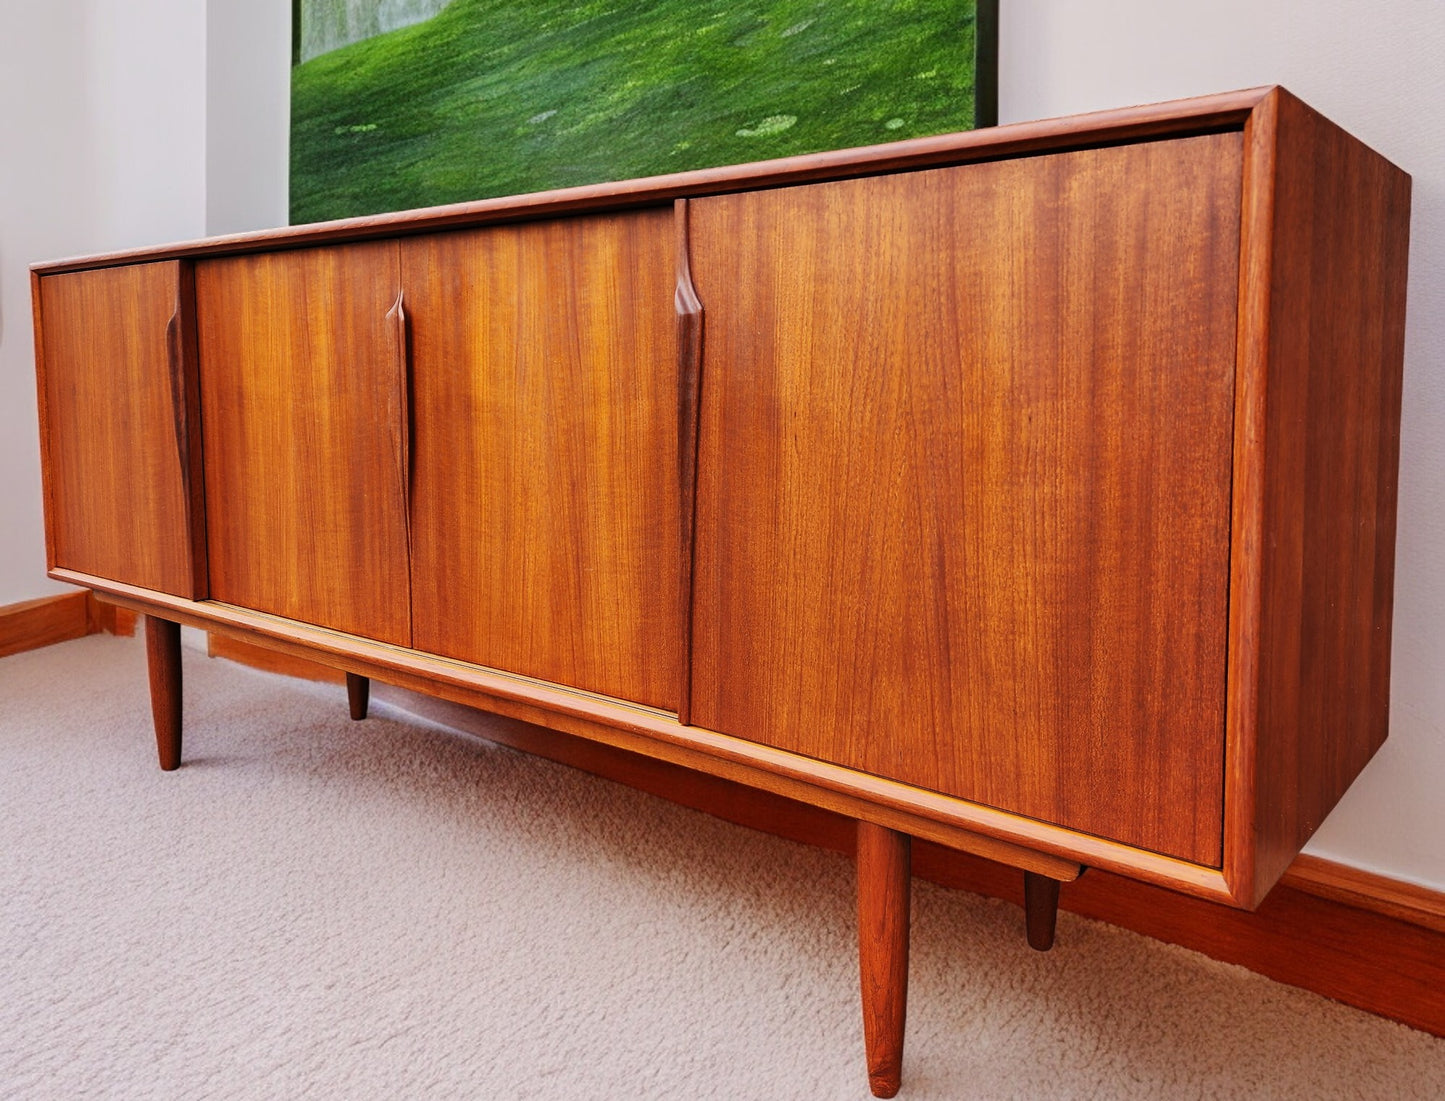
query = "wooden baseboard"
{"x": 1367, "y": 891}
{"x": 32, "y": 624}
{"x": 1359, "y": 938}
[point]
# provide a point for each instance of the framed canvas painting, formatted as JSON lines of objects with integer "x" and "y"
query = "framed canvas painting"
{"x": 397, "y": 104}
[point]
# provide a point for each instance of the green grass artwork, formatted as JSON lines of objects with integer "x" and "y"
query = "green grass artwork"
{"x": 497, "y": 97}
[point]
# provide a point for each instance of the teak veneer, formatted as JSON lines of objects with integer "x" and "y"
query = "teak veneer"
{"x": 1029, "y": 491}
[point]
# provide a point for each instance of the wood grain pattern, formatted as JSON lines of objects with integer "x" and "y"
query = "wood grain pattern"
{"x": 884, "y": 898}
{"x": 118, "y": 416}
{"x": 1318, "y": 454}
{"x": 303, "y": 422}
{"x": 1178, "y": 118}
{"x": 163, "y": 662}
{"x": 546, "y": 512}
{"x": 32, "y": 624}
{"x": 963, "y": 511}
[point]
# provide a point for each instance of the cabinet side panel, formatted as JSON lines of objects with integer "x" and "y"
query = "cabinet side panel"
{"x": 964, "y": 475}
{"x": 1332, "y": 417}
{"x": 546, "y": 512}
{"x": 303, "y": 399}
{"x": 116, "y": 426}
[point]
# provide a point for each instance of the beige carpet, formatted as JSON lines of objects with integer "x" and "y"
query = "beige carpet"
{"x": 312, "y": 908}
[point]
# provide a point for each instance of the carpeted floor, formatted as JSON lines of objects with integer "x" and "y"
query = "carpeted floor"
{"x": 315, "y": 908}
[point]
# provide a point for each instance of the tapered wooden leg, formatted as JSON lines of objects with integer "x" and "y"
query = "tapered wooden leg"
{"x": 163, "y": 660}
{"x": 883, "y": 910}
{"x": 1041, "y": 909}
{"x": 358, "y": 691}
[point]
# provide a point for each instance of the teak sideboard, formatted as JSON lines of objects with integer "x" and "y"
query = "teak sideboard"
{"x": 1029, "y": 490}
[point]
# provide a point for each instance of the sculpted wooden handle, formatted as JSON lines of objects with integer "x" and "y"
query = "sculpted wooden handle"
{"x": 689, "y": 393}
{"x": 176, "y": 363}
{"x": 402, "y": 415}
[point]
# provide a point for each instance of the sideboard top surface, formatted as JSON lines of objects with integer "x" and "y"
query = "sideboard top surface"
{"x": 1177, "y": 118}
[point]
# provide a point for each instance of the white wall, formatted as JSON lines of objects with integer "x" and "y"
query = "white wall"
{"x": 104, "y": 145}
{"x": 1376, "y": 69}
{"x": 113, "y": 154}
{"x": 248, "y": 114}
{"x": 101, "y": 147}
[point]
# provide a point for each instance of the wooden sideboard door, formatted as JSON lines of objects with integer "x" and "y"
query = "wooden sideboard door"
{"x": 546, "y": 502}
{"x": 305, "y": 412}
{"x": 964, "y": 478}
{"x": 116, "y": 348}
